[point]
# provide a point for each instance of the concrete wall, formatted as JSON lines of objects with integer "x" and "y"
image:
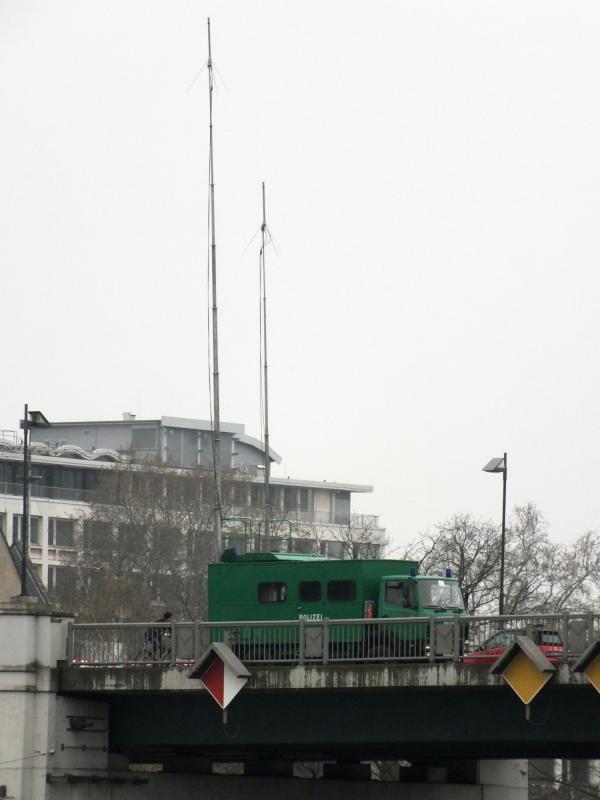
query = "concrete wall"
{"x": 32, "y": 641}
{"x": 213, "y": 787}
{"x": 10, "y": 580}
{"x": 504, "y": 780}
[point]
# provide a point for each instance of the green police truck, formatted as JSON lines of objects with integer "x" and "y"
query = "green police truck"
{"x": 359, "y": 597}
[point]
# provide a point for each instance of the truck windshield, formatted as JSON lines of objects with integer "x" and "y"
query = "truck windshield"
{"x": 441, "y": 594}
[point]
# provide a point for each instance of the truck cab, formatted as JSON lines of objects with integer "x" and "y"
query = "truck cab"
{"x": 419, "y": 595}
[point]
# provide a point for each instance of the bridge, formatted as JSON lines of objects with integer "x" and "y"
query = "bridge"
{"x": 313, "y": 696}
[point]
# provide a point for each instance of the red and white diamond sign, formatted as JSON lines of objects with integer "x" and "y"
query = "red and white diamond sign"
{"x": 221, "y": 672}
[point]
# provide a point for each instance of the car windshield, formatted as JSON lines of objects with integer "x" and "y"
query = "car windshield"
{"x": 546, "y": 637}
{"x": 500, "y": 639}
{"x": 441, "y": 594}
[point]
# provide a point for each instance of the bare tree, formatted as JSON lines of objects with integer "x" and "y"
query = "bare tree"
{"x": 577, "y": 779}
{"x": 541, "y": 576}
{"x": 471, "y": 548}
{"x": 145, "y": 542}
{"x": 548, "y": 577}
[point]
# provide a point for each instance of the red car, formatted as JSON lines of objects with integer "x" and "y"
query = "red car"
{"x": 548, "y": 641}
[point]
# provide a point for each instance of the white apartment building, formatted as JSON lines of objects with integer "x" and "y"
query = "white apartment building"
{"x": 69, "y": 458}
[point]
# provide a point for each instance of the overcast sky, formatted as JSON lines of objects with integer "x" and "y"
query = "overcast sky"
{"x": 433, "y": 179}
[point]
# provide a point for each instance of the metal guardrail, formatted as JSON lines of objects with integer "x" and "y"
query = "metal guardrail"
{"x": 326, "y": 641}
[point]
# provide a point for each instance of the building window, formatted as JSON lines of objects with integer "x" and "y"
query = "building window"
{"x": 7, "y": 473}
{"x": 97, "y": 536}
{"x": 366, "y": 550}
{"x": 271, "y": 592}
{"x": 143, "y": 438}
{"x": 290, "y": 499}
{"x": 131, "y": 538}
{"x": 61, "y": 532}
{"x": 35, "y": 528}
{"x": 239, "y": 494}
{"x": 342, "y": 508}
{"x": 332, "y": 549}
{"x": 69, "y": 478}
{"x": 303, "y": 499}
{"x": 339, "y": 591}
{"x": 303, "y": 546}
{"x": 257, "y": 495}
{"x": 275, "y": 494}
{"x": 309, "y": 591}
{"x": 61, "y": 580}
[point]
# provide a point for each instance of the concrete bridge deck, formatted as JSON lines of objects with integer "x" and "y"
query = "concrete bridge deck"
{"x": 154, "y": 678}
{"x": 405, "y": 711}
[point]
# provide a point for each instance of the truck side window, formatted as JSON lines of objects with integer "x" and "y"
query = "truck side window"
{"x": 272, "y": 592}
{"x": 341, "y": 590}
{"x": 309, "y": 591}
{"x": 399, "y": 593}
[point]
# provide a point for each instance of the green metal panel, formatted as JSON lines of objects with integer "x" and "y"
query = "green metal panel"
{"x": 417, "y": 724}
{"x": 233, "y": 585}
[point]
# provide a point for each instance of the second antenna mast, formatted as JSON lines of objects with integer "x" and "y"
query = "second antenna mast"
{"x": 216, "y": 427}
{"x": 264, "y": 242}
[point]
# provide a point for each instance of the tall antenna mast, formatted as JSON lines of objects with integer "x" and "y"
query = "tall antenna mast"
{"x": 216, "y": 432}
{"x": 267, "y": 470}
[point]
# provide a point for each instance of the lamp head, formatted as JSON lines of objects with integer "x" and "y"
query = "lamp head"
{"x": 495, "y": 465}
{"x": 38, "y": 420}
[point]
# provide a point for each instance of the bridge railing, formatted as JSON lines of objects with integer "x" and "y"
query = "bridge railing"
{"x": 329, "y": 641}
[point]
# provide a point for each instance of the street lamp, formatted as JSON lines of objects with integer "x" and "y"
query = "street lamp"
{"x": 501, "y": 465}
{"x": 31, "y": 419}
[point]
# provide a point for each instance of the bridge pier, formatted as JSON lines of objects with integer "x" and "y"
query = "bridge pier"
{"x": 32, "y": 642}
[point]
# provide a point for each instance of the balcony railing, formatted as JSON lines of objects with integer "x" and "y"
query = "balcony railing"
{"x": 295, "y": 517}
{"x": 287, "y": 520}
{"x": 10, "y": 437}
{"x": 437, "y": 638}
{"x": 49, "y": 492}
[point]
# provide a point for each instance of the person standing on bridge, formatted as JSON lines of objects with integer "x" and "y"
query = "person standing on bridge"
{"x": 158, "y": 638}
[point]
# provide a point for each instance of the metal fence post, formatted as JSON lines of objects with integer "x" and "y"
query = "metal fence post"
{"x": 174, "y": 643}
{"x": 432, "y": 638}
{"x": 325, "y": 641}
{"x": 70, "y": 654}
{"x": 565, "y": 635}
{"x": 301, "y": 641}
{"x": 456, "y": 649}
{"x": 196, "y": 641}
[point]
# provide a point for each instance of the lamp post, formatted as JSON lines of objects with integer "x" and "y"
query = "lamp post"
{"x": 31, "y": 419}
{"x": 501, "y": 465}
